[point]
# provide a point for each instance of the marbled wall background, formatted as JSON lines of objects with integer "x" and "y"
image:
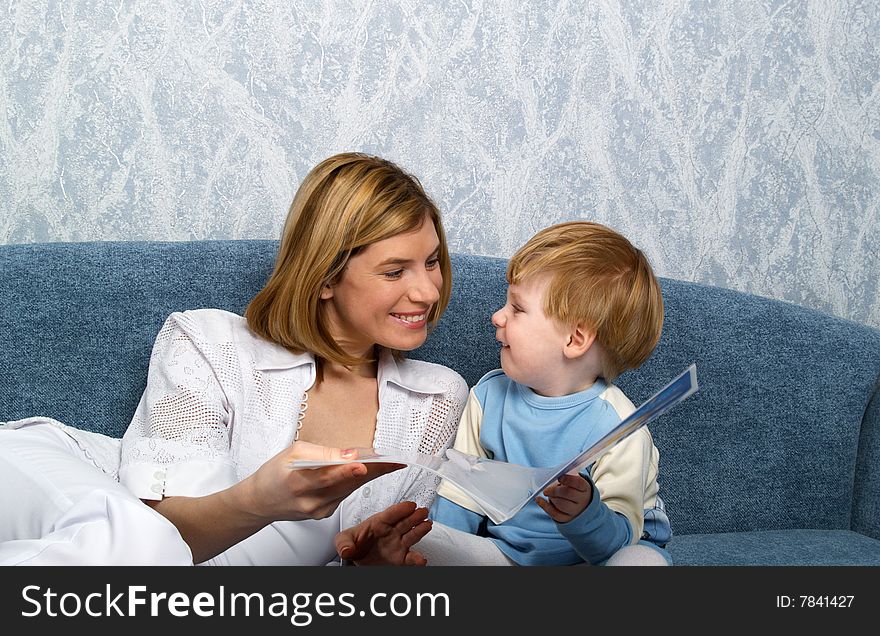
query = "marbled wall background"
{"x": 737, "y": 142}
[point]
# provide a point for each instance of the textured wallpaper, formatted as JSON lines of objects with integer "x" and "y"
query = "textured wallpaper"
{"x": 737, "y": 143}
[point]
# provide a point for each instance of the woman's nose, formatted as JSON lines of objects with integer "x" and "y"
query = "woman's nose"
{"x": 425, "y": 289}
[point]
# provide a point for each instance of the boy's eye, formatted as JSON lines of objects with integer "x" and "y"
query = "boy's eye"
{"x": 516, "y": 309}
{"x": 397, "y": 273}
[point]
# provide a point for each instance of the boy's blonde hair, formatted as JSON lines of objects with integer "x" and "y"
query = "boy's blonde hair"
{"x": 598, "y": 279}
{"x": 344, "y": 204}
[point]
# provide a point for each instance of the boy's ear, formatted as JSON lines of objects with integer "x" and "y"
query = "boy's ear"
{"x": 580, "y": 339}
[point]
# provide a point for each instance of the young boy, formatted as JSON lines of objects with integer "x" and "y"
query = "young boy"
{"x": 582, "y": 307}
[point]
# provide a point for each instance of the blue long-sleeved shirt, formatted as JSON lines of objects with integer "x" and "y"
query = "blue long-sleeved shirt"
{"x": 508, "y": 422}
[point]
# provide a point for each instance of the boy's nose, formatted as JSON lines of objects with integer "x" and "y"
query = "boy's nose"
{"x": 498, "y": 318}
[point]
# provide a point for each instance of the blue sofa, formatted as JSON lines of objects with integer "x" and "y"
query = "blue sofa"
{"x": 775, "y": 461}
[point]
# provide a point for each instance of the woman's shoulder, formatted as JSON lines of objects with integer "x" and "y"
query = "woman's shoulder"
{"x": 217, "y": 329}
{"x": 212, "y": 325}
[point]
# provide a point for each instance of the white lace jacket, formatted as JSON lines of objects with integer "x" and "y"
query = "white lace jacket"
{"x": 220, "y": 401}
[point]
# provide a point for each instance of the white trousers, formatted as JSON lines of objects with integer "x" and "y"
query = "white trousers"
{"x": 57, "y": 508}
{"x": 448, "y": 546}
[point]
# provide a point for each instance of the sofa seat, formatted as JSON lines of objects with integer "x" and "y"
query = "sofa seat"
{"x": 776, "y": 547}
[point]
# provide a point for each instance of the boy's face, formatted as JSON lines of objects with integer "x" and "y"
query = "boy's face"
{"x": 532, "y": 344}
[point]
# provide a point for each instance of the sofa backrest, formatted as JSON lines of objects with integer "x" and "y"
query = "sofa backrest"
{"x": 78, "y": 320}
{"x": 770, "y": 441}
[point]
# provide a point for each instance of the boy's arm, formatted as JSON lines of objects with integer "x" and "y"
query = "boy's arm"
{"x": 622, "y": 479}
{"x": 452, "y": 507}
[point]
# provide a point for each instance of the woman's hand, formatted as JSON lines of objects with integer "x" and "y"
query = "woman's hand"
{"x": 278, "y": 492}
{"x": 387, "y": 537}
{"x": 275, "y": 492}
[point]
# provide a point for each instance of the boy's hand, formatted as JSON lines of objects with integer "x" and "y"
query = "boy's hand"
{"x": 567, "y": 498}
{"x": 387, "y": 537}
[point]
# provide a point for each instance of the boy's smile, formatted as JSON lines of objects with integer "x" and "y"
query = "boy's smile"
{"x": 532, "y": 344}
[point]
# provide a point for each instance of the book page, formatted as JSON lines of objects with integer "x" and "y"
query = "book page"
{"x": 501, "y": 489}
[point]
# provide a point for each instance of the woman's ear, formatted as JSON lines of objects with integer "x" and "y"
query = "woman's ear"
{"x": 327, "y": 291}
{"x": 580, "y": 339}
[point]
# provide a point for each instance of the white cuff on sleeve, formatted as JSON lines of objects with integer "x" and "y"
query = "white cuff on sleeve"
{"x": 190, "y": 478}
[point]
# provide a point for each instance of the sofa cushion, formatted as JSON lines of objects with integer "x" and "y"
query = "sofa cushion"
{"x": 776, "y": 547}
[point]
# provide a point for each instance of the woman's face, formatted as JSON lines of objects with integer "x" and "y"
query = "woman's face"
{"x": 386, "y": 292}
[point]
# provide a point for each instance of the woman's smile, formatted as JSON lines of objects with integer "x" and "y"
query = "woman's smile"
{"x": 412, "y": 320}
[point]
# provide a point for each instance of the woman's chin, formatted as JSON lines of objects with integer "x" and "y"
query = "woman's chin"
{"x": 408, "y": 343}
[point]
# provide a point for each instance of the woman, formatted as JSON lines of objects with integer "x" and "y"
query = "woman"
{"x": 314, "y": 366}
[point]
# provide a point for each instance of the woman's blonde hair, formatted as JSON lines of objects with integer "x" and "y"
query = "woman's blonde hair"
{"x": 344, "y": 204}
{"x": 598, "y": 279}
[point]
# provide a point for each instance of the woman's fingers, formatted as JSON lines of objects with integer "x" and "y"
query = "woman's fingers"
{"x": 396, "y": 513}
{"x": 416, "y": 533}
{"x": 391, "y": 532}
{"x": 327, "y": 480}
{"x": 413, "y": 517}
{"x": 281, "y": 492}
{"x": 415, "y": 558}
{"x": 306, "y": 451}
{"x": 342, "y": 477}
{"x": 407, "y": 521}
{"x": 345, "y": 543}
{"x": 377, "y": 469}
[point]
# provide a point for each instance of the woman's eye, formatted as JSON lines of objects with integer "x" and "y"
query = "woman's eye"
{"x": 434, "y": 262}
{"x": 397, "y": 273}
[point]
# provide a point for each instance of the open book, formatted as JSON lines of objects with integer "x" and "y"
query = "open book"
{"x": 501, "y": 489}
